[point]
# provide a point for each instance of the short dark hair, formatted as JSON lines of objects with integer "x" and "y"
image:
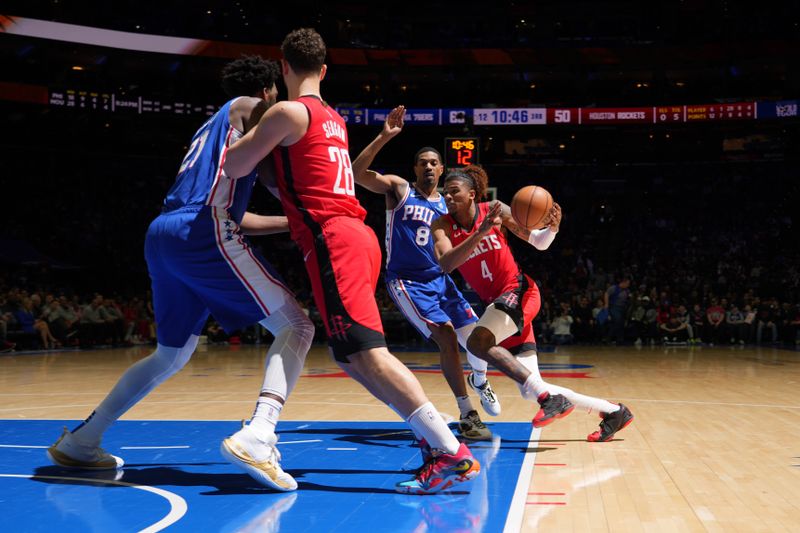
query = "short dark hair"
{"x": 304, "y": 50}
{"x": 248, "y": 75}
{"x": 427, "y": 149}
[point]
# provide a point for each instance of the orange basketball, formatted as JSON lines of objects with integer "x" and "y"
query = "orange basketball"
{"x": 530, "y": 206}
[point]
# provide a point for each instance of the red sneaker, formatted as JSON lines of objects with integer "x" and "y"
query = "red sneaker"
{"x": 553, "y": 407}
{"x": 441, "y": 472}
{"x": 612, "y": 422}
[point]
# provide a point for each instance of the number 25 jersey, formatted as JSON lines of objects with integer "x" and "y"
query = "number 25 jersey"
{"x": 315, "y": 175}
{"x": 490, "y": 269}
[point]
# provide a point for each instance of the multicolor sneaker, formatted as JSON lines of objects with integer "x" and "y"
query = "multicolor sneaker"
{"x": 612, "y": 422}
{"x": 489, "y": 400}
{"x": 425, "y": 450}
{"x": 260, "y": 459}
{"x": 552, "y": 407}
{"x": 441, "y": 472}
{"x": 69, "y": 452}
{"x": 471, "y": 427}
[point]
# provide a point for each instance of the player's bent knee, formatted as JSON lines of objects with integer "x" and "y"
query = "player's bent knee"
{"x": 173, "y": 359}
{"x": 479, "y": 342}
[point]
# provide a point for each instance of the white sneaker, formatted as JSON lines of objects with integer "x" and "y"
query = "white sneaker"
{"x": 489, "y": 400}
{"x": 69, "y": 452}
{"x": 261, "y": 460}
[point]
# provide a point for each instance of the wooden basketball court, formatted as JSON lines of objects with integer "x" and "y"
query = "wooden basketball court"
{"x": 715, "y": 444}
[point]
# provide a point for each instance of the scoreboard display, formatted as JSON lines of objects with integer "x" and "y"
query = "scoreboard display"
{"x": 121, "y": 103}
{"x": 461, "y": 151}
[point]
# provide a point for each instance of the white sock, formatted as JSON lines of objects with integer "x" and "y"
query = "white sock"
{"x": 417, "y": 435}
{"x": 134, "y": 385}
{"x": 532, "y": 388}
{"x": 478, "y": 376}
{"x": 427, "y": 422}
{"x": 265, "y": 418}
{"x": 530, "y": 361}
{"x": 589, "y": 403}
{"x": 464, "y": 405}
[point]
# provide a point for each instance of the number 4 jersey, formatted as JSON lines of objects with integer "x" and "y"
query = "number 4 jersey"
{"x": 315, "y": 176}
{"x": 490, "y": 269}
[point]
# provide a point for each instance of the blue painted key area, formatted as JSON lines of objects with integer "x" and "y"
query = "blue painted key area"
{"x": 346, "y": 473}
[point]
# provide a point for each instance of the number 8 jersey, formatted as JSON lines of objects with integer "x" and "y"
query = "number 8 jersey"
{"x": 490, "y": 269}
{"x": 315, "y": 175}
{"x": 409, "y": 246}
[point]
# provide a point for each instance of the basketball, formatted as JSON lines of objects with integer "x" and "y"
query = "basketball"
{"x": 530, "y": 206}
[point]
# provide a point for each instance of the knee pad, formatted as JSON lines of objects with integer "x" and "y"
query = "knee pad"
{"x": 292, "y": 316}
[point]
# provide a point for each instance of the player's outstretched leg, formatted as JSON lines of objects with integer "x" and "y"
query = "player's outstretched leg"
{"x": 70, "y": 452}
{"x": 80, "y": 448}
{"x": 441, "y": 472}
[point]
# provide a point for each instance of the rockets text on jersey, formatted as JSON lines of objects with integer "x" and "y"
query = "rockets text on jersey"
{"x": 490, "y": 268}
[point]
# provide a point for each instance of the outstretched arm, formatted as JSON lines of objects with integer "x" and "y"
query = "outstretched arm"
{"x": 451, "y": 257}
{"x": 284, "y": 123}
{"x": 369, "y": 179}
{"x": 541, "y": 239}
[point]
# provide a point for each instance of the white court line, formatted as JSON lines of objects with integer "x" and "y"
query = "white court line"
{"x": 298, "y": 441}
{"x": 517, "y": 508}
{"x": 22, "y": 446}
{"x": 342, "y": 449}
{"x": 177, "y": 505}
{"x": 153, "y": 447}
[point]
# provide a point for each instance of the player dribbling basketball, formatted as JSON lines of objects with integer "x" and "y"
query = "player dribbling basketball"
{"x": 470, "y": 238}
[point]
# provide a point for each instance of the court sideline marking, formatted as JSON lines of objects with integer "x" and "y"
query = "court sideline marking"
{"x": 517, "y": 508}
{"x": 177, "y": 505}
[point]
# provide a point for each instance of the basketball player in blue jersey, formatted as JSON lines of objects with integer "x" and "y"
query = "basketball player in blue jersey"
{"x": 200, "y": 263}
{"x": 427, "y": 297}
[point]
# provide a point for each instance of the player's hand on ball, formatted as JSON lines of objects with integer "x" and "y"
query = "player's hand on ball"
{"x": 492, "y": 218}
{"x": 554, "y": 218}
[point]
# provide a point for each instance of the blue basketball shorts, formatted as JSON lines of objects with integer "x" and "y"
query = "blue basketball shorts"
{"x": 199, "y": 263}
{"x": 436, "y": 302}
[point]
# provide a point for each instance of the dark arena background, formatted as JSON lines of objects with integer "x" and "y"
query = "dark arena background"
{"x": 667, "y": 132}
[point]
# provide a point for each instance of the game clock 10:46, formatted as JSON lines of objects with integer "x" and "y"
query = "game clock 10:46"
{"x": 461, "y": 151}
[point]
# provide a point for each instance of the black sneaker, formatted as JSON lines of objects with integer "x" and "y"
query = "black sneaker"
{"x": 471, "y": 427}
{"x": 552, "y": 407}
{"x": 612, "y": 422}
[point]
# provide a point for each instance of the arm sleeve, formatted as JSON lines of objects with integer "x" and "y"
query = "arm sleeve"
{"x": 541, "y": 239}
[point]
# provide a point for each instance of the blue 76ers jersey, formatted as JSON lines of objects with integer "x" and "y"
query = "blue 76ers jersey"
{"x": 201, "y": 180}
{"x": 409, "y": 245}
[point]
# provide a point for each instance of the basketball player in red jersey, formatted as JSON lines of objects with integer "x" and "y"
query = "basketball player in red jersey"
{"x": 308, "y": 141}
{"x": 470, "y": 238}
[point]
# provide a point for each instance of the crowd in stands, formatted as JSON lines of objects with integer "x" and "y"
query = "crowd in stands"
{"x": 47, "y": 320}
{"x": 646, "y": 254}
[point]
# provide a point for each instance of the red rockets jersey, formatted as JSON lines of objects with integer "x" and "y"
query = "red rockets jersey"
{"x": 314, "y": 175}
{"x": 490, "y": 269}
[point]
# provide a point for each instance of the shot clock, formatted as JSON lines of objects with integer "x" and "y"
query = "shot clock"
{"x": 461, "y": 151}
